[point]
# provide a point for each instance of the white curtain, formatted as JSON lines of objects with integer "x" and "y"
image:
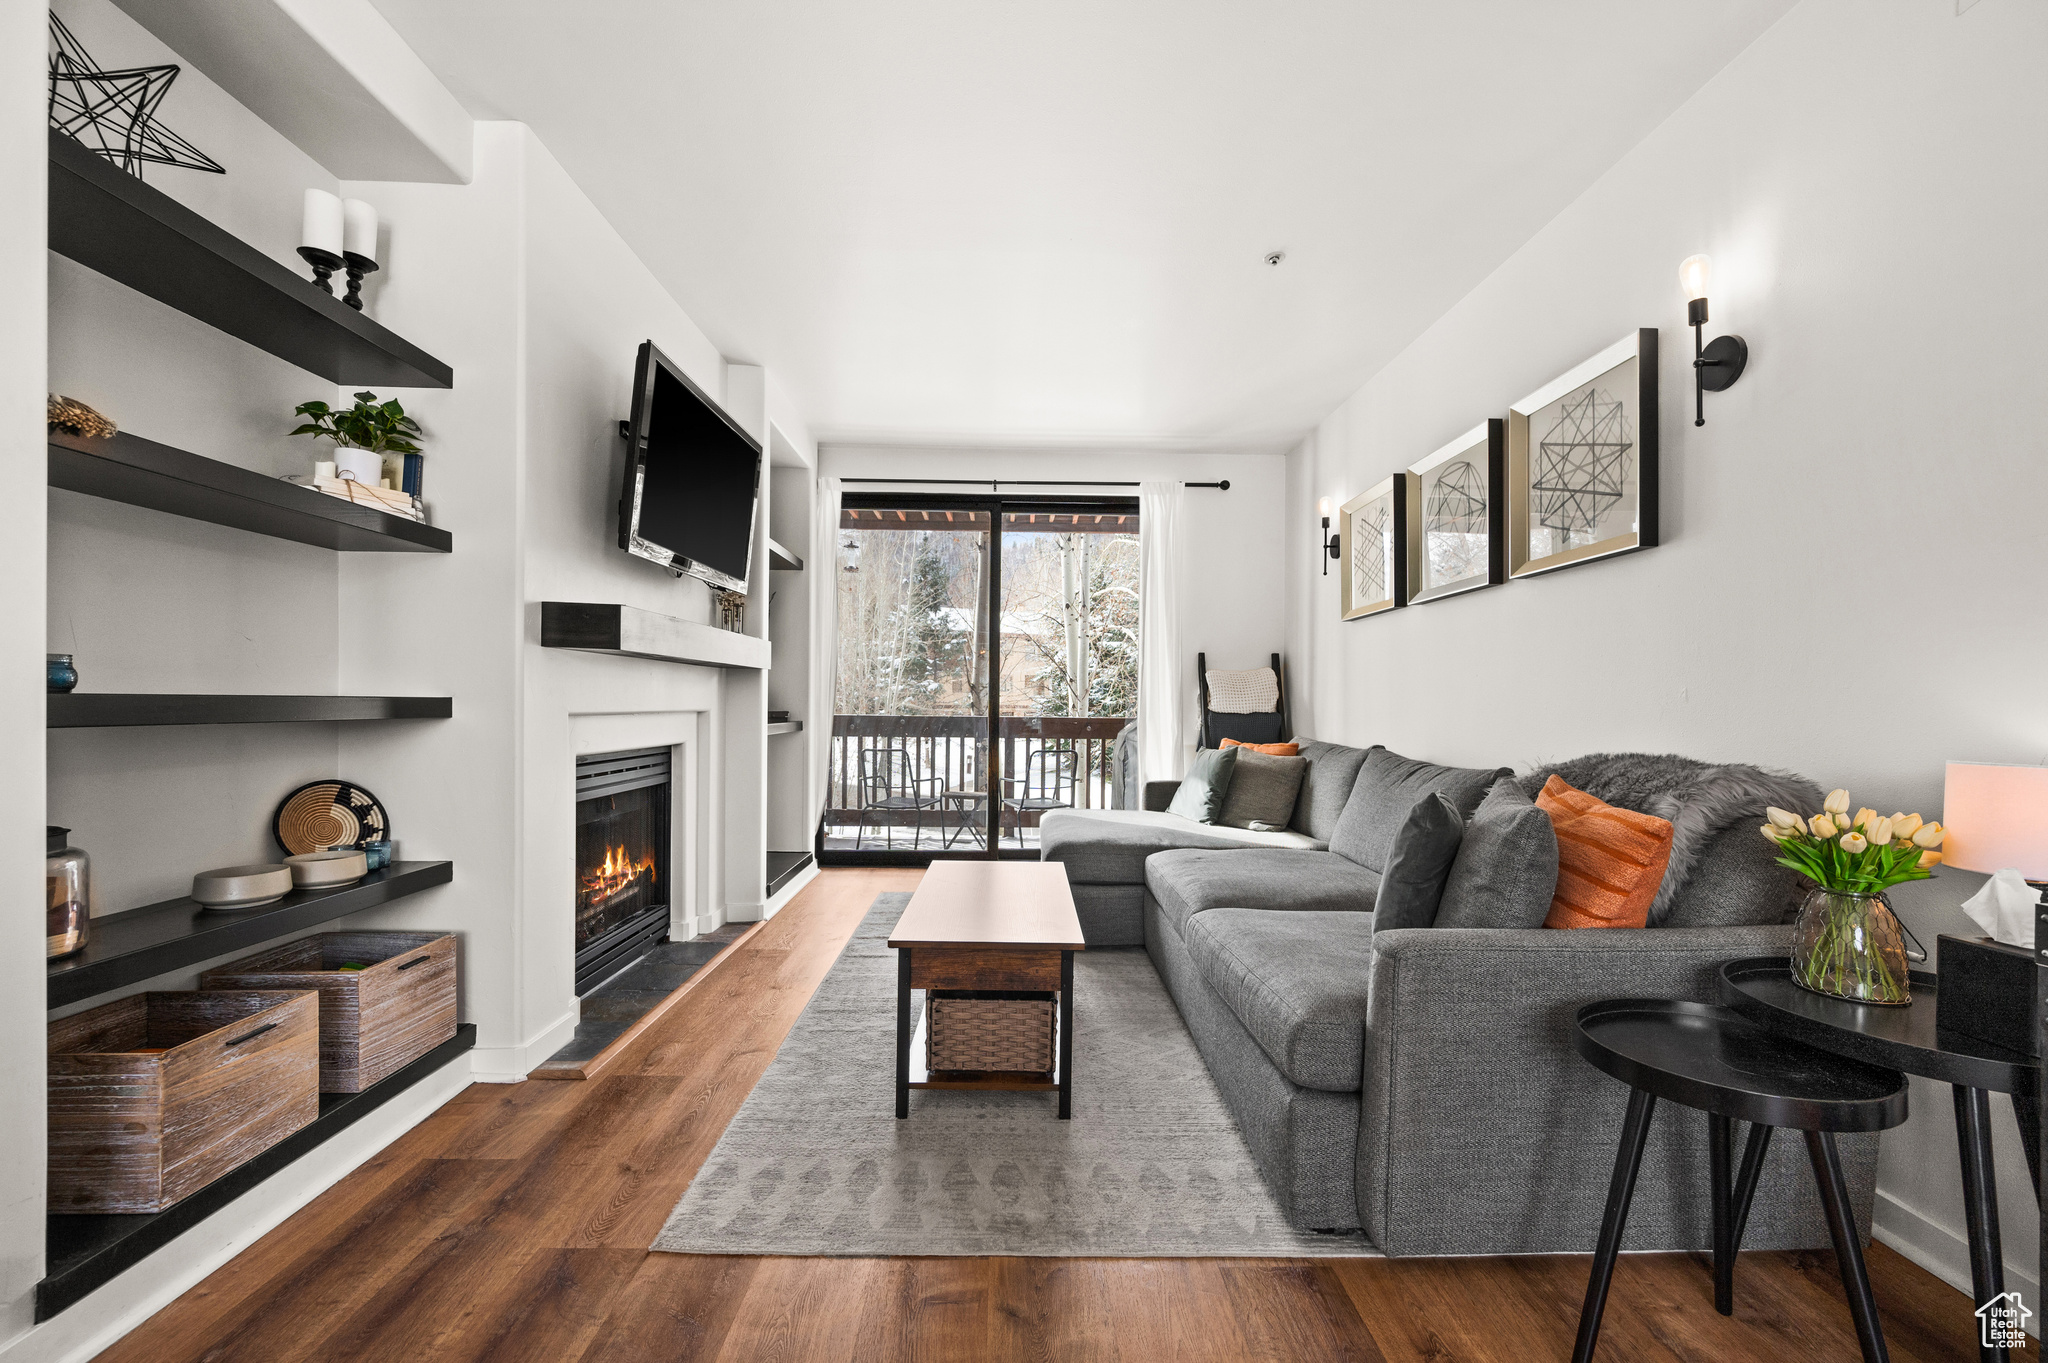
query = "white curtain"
{"x": 1160, "y": 664}
{"x": 823, "y": 571}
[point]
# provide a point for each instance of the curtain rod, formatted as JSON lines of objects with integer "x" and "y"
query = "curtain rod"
{"x": 995, "y": 483}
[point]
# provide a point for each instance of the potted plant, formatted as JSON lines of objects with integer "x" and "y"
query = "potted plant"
{"x": 375, "y": 428}
{"x": 1847, "y": 943}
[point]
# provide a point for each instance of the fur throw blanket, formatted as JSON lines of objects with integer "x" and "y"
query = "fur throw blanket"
{"x": 1701, "y": 800}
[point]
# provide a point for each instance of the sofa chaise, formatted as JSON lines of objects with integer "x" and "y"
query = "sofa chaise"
{"x": 1420, "y": 1084}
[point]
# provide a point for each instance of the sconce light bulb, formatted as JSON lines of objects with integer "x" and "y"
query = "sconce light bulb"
{"x": 1696, "y": 274}
{"x": 1323, "y": 508}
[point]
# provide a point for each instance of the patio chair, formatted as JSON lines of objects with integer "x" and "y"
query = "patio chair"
{"x": 1047, "y": 783}
{"x": 889, "y": 784}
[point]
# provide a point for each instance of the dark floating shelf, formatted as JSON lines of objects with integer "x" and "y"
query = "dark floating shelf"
{"x": 127, "y": 948}
{"x": 783, "y": 868}
{"x": 111, "y": 710}
{"x": 108, "y": 220}
{"x": 781, "y": 560}
{"x": 127, "y": 468}
{"x": 81, "y": 1253}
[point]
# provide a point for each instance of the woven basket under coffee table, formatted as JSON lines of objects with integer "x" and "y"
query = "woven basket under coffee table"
{"x": 992, "y": 944}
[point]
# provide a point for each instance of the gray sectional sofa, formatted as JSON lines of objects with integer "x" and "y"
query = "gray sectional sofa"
{"x": 1420, "y": 1084}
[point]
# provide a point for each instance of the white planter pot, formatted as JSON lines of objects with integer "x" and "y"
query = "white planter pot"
{"x": 365, "y": 466}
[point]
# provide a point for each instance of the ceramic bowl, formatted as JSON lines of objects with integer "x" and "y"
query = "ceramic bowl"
{"x": 324, "y": 870}
{"x": 242, "y": 887}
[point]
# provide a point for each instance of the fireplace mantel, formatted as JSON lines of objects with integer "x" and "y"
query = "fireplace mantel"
{"x": 630, "y": 632}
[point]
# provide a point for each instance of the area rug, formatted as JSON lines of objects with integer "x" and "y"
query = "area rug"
{"x": 815, "y": 1162}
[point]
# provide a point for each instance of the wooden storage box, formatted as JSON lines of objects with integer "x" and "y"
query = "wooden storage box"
{"x": 989, "y": 1030}
{"x": 373, "y": 1021}
{"x": 157, "y": 1095}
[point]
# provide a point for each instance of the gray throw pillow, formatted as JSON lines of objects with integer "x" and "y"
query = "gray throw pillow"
{"x": 1262, "y": 790}
{"x": 1419, "y": 865}
{"x": 1203, "y": 789}
{"x": 1388, "y": 787}
{"x": 1506, "y": 871}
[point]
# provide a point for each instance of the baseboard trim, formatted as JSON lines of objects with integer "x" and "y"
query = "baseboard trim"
{"x": 511, "y": 1064}
{"x": 597, "y": 1064}
{"x": 102, "y": 1317}
{"x": 1945, "y": 1252}
{"x": 790, "y": 891}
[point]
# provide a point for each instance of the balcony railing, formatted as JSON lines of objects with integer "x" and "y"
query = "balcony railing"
{"x": 954, "y": 749}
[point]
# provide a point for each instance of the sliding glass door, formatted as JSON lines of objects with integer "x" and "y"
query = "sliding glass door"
{"x": 987, "y": 661}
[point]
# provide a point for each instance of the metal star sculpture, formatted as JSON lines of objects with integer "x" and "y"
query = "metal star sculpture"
{"x": 1582, "y": 465}
{"x": 114, "y": 112}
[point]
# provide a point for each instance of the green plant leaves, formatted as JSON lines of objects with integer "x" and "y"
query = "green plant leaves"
{"x": 383, "y": 428}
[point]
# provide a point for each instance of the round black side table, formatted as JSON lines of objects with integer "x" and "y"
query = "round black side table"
{"x": 1912, "y": 1039}
{"x": 1704, "y": 1056}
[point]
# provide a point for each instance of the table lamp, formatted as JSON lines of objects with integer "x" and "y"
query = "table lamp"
{"x": 1996, "y": 819}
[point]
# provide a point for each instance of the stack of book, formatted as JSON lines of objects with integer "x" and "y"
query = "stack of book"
{"x": 382, "y": 498}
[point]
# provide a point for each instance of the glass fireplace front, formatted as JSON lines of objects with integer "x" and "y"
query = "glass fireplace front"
{"x": 622, "y": 847}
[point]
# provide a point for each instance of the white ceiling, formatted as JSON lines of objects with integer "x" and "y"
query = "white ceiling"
{"x": 954, "y": 221}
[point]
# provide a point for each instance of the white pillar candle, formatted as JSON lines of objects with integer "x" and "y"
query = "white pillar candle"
{"x": 321, "y": 228}
{"x": 323, "y": 470}
{"x": 359, "y": 231}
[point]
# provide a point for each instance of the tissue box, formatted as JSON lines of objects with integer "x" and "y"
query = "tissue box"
{"x": 1987, "y": 992}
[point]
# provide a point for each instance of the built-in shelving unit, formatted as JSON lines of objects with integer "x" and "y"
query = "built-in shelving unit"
{"x": 109, "y": 221}
{"x": 781, "y": 560}
{"x": 787, "y": 726}
{"x": 630, "y": 632}
{"x": 81, "y": 1253}
{"x": 128, "y": 948}
{"x": 112, "y": 710}
{"x": 128, "y": 468}
{"x": 783, "y": 867}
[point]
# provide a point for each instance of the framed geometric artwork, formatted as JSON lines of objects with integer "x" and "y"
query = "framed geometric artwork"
{"x": 1458, "y": 515}
{"x": 1582, "y": 462}
{"x": 1373, "y": 541}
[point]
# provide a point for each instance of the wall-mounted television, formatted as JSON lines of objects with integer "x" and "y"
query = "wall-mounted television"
{"x": 693, "y": 478}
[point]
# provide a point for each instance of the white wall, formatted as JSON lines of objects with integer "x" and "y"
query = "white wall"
{"x": 1850, "y": 579}
{"x": 23, "y": 162}
{"x": 1232, "y": 543}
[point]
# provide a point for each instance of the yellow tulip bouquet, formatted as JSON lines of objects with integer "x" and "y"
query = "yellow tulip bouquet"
{"x": 1848, "y": 945}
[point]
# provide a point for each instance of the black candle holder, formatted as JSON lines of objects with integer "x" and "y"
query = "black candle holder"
{"x": 358, "y": 266}
{"x": 324, "y": 264}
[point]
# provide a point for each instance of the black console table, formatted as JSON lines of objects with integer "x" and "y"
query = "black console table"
{"x": 1912, "y": 1039}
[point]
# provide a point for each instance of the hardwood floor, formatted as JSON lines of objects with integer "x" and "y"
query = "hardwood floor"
{"x": 513, "y": 1225}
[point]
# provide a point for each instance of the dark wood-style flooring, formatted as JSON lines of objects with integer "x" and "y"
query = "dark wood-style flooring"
{"x": 514, "y": 1223}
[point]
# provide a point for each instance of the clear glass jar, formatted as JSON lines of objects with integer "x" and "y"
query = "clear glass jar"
{"x": 69, "y": 877}
{"x": 1849, "y": 946}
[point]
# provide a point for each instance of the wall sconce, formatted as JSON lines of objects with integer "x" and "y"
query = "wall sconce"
{"x": 1330, "y": 549}
{"x": 1718, "y": 363}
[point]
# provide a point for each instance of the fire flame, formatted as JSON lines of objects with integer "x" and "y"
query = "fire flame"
{"x": 619, "y": 874}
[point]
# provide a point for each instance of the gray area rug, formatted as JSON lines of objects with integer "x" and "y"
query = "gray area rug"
{"x": 1151, "y": 1165}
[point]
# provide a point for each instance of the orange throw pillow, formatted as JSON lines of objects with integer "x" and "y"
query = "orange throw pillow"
{"x": 1609, "y": 861}
{"x": 1269, "y": 749}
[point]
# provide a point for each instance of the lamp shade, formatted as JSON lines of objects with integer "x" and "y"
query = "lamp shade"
{"x": 1996, "y": 817}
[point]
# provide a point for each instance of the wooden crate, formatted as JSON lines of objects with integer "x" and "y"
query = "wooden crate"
{"x": 157, "y": 1095}
{"x": 989, "y": 1030}
{"x": 373, "y": 1022}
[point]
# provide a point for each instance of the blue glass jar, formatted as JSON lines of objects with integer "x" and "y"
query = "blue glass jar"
{"x": 62, "y": 675}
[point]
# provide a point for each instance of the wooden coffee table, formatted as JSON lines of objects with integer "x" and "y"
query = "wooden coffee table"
{"x": 987, "y": 925}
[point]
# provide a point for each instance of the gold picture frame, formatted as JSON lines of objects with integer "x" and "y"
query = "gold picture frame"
{"x": 1374, "y": 546}
{"x": 1582, "y": 462}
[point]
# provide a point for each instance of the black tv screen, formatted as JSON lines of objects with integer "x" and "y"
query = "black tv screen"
{"x": 693, "y": 478}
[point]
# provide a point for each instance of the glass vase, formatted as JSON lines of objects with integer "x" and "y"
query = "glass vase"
{"x": 1849, "y": 946}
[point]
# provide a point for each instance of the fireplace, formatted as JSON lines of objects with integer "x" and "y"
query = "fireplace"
{"x": 622, "y": 870}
